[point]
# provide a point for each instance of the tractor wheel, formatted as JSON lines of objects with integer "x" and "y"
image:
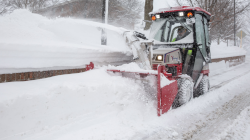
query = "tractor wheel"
{"x": 203, "y": 87}
{"x": 185, "y": 92}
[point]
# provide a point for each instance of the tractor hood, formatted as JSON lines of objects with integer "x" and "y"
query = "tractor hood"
{"x": 173, "y": 46}
{"x": 164, "y": 50}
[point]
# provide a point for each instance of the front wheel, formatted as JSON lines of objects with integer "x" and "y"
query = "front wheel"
{"x": 185, "y": 92}
{"x": 203, "y": 87}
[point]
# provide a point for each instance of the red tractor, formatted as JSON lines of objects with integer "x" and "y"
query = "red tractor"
{"x": 180, "y": 52}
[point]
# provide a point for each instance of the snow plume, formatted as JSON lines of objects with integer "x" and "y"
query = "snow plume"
{"x": 32, "y": 41}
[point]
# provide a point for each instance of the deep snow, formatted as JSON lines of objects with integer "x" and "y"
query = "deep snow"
{"x": 82, "y": 100}
{"x": 101, "y": 105}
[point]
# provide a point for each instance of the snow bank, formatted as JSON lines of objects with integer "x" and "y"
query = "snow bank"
{"x": 218, "y": 67}
{"x": 32, "y": 41}
{"x": 222, "y": 51}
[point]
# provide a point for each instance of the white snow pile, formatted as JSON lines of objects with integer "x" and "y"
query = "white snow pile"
{"x": 32, "y": 41}
{"x": 218, "y": 67}
{"x": 222, "y": 51}
{"x": 79, "y": 105}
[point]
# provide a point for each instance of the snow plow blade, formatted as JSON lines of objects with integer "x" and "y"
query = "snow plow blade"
{"x": 167, "y": 87}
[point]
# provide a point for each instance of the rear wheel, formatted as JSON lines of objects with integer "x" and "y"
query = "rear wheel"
{"x": 203, "y": 87}
{"x": 185, "y": 92}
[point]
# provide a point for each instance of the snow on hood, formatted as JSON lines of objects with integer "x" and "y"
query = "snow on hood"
{"x": 131, "y": 67}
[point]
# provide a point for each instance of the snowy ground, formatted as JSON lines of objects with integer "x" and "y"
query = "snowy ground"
{"x": 99, "y": 105}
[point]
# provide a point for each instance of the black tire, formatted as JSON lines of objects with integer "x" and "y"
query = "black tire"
{"x": 185, "y": 92}
{"x": 203, "y": 87}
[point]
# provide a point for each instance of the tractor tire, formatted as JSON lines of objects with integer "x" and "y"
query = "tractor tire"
{"x": 185, "y": 92}
{"x": 203, "y": 87}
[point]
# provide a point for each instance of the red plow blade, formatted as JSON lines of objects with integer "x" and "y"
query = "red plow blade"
{"x": 167, "y": 87}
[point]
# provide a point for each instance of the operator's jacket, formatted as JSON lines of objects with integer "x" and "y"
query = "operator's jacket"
{"x": 179, "y": 37}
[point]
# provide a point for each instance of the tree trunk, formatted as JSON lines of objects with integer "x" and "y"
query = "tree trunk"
{"x": 147, "y": 9}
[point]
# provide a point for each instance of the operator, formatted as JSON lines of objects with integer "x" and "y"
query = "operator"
{"x": 182, "y": 32}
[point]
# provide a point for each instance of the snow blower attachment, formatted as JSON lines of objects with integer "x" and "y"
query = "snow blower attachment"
{"x": 178, "y": 49}
{"x": 90, "y": 66}
{"x": 167, "y": 87}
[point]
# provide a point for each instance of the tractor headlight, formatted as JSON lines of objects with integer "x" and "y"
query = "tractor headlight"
{"x": 181, "y": 14}
{"x": 159, "y": 57}
{"x": 157, "y": 16}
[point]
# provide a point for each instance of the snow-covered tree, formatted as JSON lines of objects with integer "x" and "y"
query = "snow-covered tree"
{"x": 7, "y": 6}
{"x": 125, "y": 13}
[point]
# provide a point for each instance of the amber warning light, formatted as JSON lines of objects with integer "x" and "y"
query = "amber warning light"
{"x": 153, "y": 18}
{"x": 189, "y": 14}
